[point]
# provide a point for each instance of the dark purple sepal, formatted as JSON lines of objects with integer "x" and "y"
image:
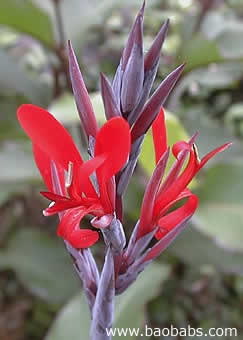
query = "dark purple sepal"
{"x": 154, "y": 104}
{"x": 83, "y": 102}
{"x": 114, "y": 236}
{"x": 139, "y": 246}
{"x": 133, "y": 77}
{"x": 127, "y": 172}
{"x": 116, "y": 85}
{"x": 109, "y": 100}
{"x": 152, "y": 56}
{"x": 131, "y": 37}
{"x": 161, "y": 245}
{"x": 103, "y": 311}
{"x": 123, "y": 281}
{"x": 147, "y": 86}
{"x": 151, "y": 194}
{"x": 86, "y": 268}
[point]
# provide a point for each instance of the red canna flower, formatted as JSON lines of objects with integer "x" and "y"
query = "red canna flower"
{"x": 160, "y": 197}
{"x": 58, "y": 159}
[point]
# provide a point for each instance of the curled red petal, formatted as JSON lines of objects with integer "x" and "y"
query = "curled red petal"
{"x": 178, "y": 185}
{"x": 171, "y": 220}
{"x": 179, "y": 147}
{"x": 159, "y": 135}
{"x": 69, "y": 228}
{"x": 43, "y": 163}
{"x": 114, "y": 140}
{"x": 48, "y": 134}
{"x": 161, "y": 245}
{"x": 71, "y": 220}
{"x": 83, "y": 238}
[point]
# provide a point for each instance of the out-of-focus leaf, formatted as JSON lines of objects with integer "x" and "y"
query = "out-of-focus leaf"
{"x": 27, "y": 18}
{"x": 17, "y": 165}
{"x": 14, "y": 79}
{"x": 229, "y": 41}
{"x": 220, "y": 210}
{"x": 219, "y": 75}
{"x": 74, "y": 320}
{"x": 197, "y": 248}
{"x": 217, "y": 234}
{"x": 234, "y": 119}
{"x": 175, "y": 133}
{"x": 64, "y": 108}
{"x": 198, "y": 52}
{"x": 41, "y": 263}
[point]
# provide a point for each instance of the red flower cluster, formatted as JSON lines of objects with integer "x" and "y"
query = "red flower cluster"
{"x": 159, "y": 197}
{"x": 54, "y": 148}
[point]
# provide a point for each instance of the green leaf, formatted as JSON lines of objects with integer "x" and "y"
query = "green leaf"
{"x": 17, "y": 164}
{"x": 64, "y": 108}
{"x": 74, "y": 321}
{"x": 217, "y": 234}
{"x": 220, "y": 209}
{"x": 229, "y": 41}
{"x": 198, "y": 52}
{"x": 27, "y": 18}
{"x": 175, "y": 133}
{"x": 15, "y": 79}
{"x": 41, "y": 263}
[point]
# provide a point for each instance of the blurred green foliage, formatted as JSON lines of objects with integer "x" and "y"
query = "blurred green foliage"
{"x": 204, "y": 285}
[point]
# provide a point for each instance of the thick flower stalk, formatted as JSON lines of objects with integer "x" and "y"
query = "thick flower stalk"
{"x": 78, "y": 188}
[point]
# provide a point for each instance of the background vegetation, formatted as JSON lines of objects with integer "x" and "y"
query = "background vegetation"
{"x": 198, "y": 281}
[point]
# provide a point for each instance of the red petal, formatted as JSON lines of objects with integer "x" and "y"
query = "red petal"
{"x": 53, "y": 197}
{"x": 212, "y": 154}
{"x": 71, "y": 220}
{"x": 114, "y": 140}
{"x": 50, "y": 136}
{"x": 69, "y": 228}
{"x": 176, "y": 168}
{"x": 43, "y": 163}
{"x": 180, "y": 147}
{"x": 59, "y": 206}
{"x": 159, "y": 135}
{"x": 81, "y": 182}
{"x": 83, "y": 238}
{"x": 161, "y": 245}
{"x": 168, "y": 222}
{"x": 177, "y": 186}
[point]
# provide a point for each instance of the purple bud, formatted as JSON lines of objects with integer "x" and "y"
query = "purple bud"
{"x": 161, "y": 245}
{"x": 116, "y": 85}
{"x": 154, "y": 104}
{"x": 147, "y": 86}
{"x": 109, "y": 100}
{"x": 130, "y": 41}
{"x": 81, "y": 95}
{"x": 152, "y": 56}
{"x": 132, "y": 82}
